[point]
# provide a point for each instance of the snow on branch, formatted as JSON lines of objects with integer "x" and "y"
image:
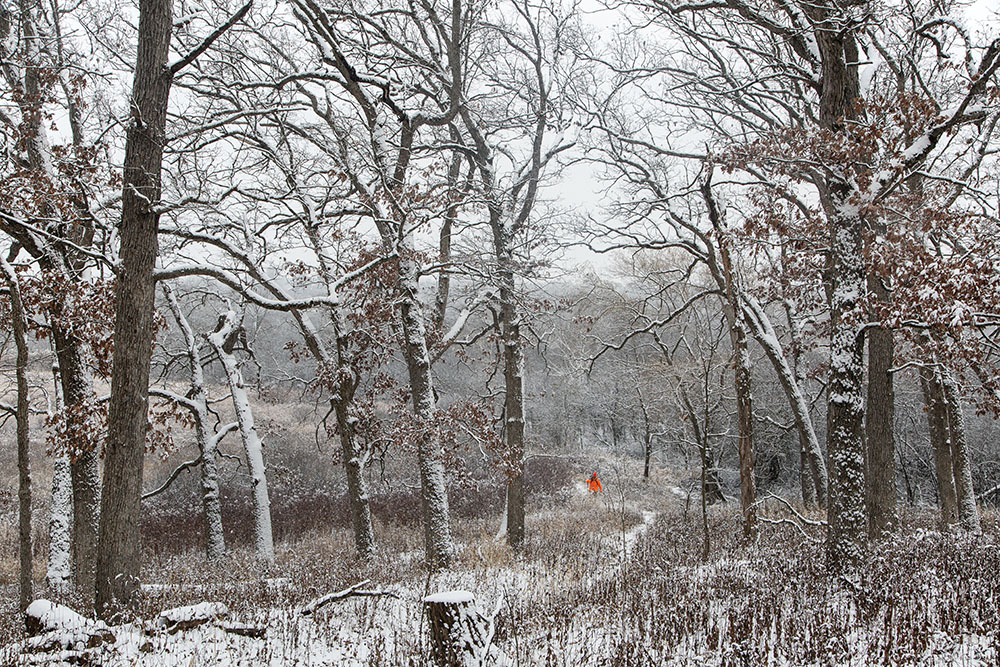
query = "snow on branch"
{"x": 178, "y": 65}
{"x": 173, "y": 476}
{"x": 356, "y": 589}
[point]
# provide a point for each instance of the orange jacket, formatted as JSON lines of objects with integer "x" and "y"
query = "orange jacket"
{"x": 594, "y": 484}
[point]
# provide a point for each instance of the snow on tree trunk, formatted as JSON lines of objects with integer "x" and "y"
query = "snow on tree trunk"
{"x": 357, "y": 486}
{"x": 848, "y": 521}
{"x": 880, "y": 465}
{"x": 20, "y": 327}
{"x": 791, "y": 384}
{"x": 968, "y": 512}
{"x": 77, "y": 386}
{"x": 208, "y": 444}
{"x": 222, "y": 340}
{"x": 215, "y": 539}
{"x": 937, "y": 426}
{"x": 438, "y": 543}
{"x": 847, "y": 517}
{"x": 59, "y": 572}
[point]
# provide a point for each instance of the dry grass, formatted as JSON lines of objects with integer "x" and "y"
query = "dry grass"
{"x": 571, "y": 598}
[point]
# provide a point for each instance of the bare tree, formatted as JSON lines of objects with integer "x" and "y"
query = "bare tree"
{"x": 118, "y": 557}
{"x": 20, "y": 328}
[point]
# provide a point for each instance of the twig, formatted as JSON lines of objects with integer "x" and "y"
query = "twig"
{"x": 356, "y": 589}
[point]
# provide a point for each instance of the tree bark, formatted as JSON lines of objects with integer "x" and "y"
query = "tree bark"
{"x": 847, "y": 518}
{"x": 438, "y": 543}
{"x": 20, "y": 327}
{"x": 937, "y": 426}
{"x": 968, "y": 512}
{"x": 79, "y": 400}
{"x": 742, "y": 365}
{"x": 59, "y": 572}
{"x": 513, "y": 410}
{"x": 880, "y": 483}
{"x": 118, "y": 554}
{"x": 222, "y": 341}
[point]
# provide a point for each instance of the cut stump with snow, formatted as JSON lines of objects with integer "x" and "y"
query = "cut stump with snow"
{"x": 460, "y": 635}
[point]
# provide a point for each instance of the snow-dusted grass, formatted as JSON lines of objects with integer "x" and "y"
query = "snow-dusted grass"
{"x": 615, "y": 579}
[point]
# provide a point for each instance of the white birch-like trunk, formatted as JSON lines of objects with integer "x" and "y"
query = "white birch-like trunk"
{"x": 252, "y": 445}
{"x": 59, "y": 574}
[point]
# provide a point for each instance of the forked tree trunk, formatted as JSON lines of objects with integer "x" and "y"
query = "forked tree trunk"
{"x": 222, "y": 341}
{"x": 118, "y": 553}
{"x": 736, "y": 319}
{"x": 20, "y": 327}
{"x": 208, "y": 444}
{"x": 814, "y": 464}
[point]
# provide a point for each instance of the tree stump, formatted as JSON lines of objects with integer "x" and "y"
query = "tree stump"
{"x": 460, "y": 635}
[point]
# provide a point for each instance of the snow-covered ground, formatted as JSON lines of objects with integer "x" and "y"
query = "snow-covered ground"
{"x": 610, "y": 579}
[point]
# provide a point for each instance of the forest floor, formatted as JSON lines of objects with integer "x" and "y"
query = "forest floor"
{"x": 618, "y": 578}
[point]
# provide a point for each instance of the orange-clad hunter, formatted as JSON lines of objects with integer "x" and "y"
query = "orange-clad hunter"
{"x": 594, "y": 484}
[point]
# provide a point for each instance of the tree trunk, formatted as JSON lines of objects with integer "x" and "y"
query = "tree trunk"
{"x": 20, "y": 327}
{"x": 968, "y": 512}
{"x": 79, "y": 400}
{"x": 881, "y": 460}
{"x": 59, "y": 572}
{"x": 118, "y": 554}
{"x": 513, "y": 409}
{"x": 438, "y": 543}
{"x": 848, "y": 522}
{"x": 812, "y": 453}
{"x": 342, "y": 397}
{"x": 208, "y": 444}
{"x": 742, "y": 365}
{"x": 937, "y": 426}
{"x": 357, "y": 487}
{"x": 460, "y": 635}
{"x": 880, "y": 480}
{"x": 222, "y": 341}
{"x": 444, "y": 239}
